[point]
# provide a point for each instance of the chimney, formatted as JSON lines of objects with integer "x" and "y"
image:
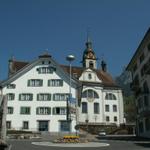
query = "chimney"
{"x": 104, "y": 66}
{"x": 10, "y": 66}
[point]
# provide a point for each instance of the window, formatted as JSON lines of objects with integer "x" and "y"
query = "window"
{"x": 110, "y": 96}
{"x": 142, "y": 71}
{"x": 25, "y": 125}
{"x": 145, "y": 88}
{"x": 147, "y": 124}
{"x": 89, "y": 76}
{"x": 96, "y": 108}
{"x": 64, "y": 126}
{"x": 8, "y": 124}
{"x": 25, "y": 110}
{"x": 142, "y": 58}
{"x": 84, "y": 107}
{"x": 10, "y": 96}
{"x": 44, "y": 97}
{"x": 10, "y": 110}
{"x": 107, "y": 108}
{"x": 146, "y": 101}
{"x": 91, "y": 64}
{"x": 148, "y": 46}
{"x": 60, "y": 96}
{"x": 89, "y": 94}
{"x": 55, "y": 82}
{"x": 141, "y": 127}
{"x": 43, "y": 111}
{"x": 46, "y": 70}
{"x": 115, "y": 118}
{"x": 59, "y": 111}
{"x": 107, "y": 118}
{"x": 114, "y": 108}
{"x": 135, "y": 67}
{"x": 11, "y": 86}
{"x": 35, "y": 82}
{"x": 26, "y": 97}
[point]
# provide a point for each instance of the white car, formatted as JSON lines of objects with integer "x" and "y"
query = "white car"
{"x": 102, "y": 133}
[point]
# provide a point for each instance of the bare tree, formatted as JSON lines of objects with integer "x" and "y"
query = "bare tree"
{"x": 3, "y": 112}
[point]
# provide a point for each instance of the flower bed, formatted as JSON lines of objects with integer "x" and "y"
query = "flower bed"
{"x": 68, "y": 139}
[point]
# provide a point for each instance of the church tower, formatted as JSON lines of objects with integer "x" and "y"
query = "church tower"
{"x": 89, "y": 58}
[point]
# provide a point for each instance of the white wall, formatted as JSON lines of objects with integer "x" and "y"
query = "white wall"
{"x": 21, "y": 87}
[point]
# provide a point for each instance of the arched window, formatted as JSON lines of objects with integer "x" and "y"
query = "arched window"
{"x": 110, "y": 96}
{"x": 89, "y": 76}
{"x": 84, "y": 107}
{"x": 89, "y": 94}
{"x": 91, "y": 64}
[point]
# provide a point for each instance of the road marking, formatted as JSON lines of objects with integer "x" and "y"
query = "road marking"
{"x": 89, "y": 144}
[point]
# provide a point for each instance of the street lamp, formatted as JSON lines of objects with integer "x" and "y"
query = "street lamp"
{"x": 69, "y": 58}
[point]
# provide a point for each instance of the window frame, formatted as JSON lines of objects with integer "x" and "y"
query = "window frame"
{"x": 43, "y": 111}
{"x": 107, "y": 108}
{"x": 35, "y": 83}
{"x": 96, "y": 108}
{"x": 24, "y": 125}
{"x": 10, "y": 96}
{"x": 55, "y": 83}
{"x": 10, "y": 110}
{"x": 84, "y": 107}
{"x": 25, "y": 112}
{"x": 25, "y": 97}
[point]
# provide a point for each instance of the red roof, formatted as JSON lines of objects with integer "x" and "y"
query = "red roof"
{"x": 76, "y": 72}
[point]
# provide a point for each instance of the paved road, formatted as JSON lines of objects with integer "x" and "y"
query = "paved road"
{"x": 114, "y": 145}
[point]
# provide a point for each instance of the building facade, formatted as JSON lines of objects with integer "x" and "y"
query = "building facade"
{"x": 139, "y": 67}
{"x": 37, "y": 96}
{"x": 37, "y": 93}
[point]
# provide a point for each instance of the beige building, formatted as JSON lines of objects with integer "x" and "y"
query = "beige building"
{"x": 139, "y": 66}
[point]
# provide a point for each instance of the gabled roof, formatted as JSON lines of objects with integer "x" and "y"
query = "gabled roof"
{"x": 22, "y": 67}
{"x": 17, "y": 65}
{"x": 105, "y": 77}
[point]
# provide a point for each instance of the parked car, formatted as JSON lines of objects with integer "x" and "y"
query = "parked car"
{"x": 102, "y": 133}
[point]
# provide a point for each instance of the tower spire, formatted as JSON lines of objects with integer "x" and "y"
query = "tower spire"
{"x": 89, "y": 58}
{"x": 88, "y": 35}
{"x": 89, "y": 42}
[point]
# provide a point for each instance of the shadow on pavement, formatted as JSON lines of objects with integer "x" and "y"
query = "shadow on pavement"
{"x": 143, "y": 144}
{"x": 122, "y": 138}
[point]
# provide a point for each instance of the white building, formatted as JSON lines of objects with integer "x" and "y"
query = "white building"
{"x": 139, "y": 66}
{"x": 101, "y": 102}
{"x": 37, "y": 94}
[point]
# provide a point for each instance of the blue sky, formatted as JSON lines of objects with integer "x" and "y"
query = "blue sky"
{"x": 29, "y": 27}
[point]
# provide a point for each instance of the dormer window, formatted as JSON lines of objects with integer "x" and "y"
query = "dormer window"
{"x": 11, "y": 86}
{"x": 46, "y": 70}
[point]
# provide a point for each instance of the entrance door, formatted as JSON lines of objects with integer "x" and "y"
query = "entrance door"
{"x": 65, "y": 126}
{"x": 43, "y": 125}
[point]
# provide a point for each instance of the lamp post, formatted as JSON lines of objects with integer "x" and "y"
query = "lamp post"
{"x": 69, "y": 58}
